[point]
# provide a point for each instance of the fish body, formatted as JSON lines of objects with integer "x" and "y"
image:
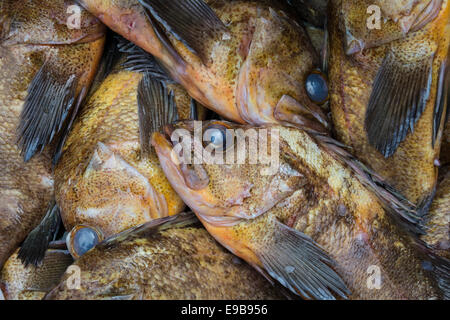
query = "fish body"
{"x": 170, "y": 263}
{"x": 268, "y": 220}
{"x": 246, "y": 60}
{"x": 33, "y": 35}
{"x": 104, "y": 180}
{"x": 375, "y": 100}
{"x": 20, "y": 283}
{"x": 438, "y": 218}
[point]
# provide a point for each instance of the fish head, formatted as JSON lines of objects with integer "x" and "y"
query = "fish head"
{"x": 227, "y": 172}
{"x": 367, "y": 24}
{"x": 280, "y": 80}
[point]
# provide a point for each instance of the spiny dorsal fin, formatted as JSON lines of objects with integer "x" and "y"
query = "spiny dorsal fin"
{"x": 136, "y": 59}
{"x": 399, "y": 96}
{"x": 156, "y": 108}
{"x": 180, "y": 220}
{"x": 191, "y": 21}
{"x": 402, "y": 210}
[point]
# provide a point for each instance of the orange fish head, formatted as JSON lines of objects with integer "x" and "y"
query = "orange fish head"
{"x": 226, "y": 172}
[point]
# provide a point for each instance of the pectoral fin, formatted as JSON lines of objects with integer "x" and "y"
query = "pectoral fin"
{"x": 300, "y": 265}
{"x": 157, "y": 108}
{"x": 399, "y": 96}
{"x": 180, "y": 220}
{"x": 191, "y": 21}
{"x": 51, "y": 97}
{"x": 35, "y": 245}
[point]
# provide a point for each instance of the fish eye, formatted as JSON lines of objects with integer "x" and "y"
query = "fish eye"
{"x": 317, "y": 87}
{"x": 82, "y": 239}
{"x": 216, "y": 136}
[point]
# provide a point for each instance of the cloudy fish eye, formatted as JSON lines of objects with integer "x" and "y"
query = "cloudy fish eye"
{"x": 81, "y": 240}
{"x": 317, "y": 87}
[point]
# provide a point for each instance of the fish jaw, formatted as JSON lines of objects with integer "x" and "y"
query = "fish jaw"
{"x": 210, "y": 214}
{"x": 198, "y": 200}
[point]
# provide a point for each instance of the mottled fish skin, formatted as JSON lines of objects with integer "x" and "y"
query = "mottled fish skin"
{"x": 313, "y": 193}
{"x": 18, "y": 282}
{"x": 179, "y": 263}
{"x": 102, "y": 181}
{"x": 264, "y": 56}
{"x": 412, "y": 168}
{"x": 438, "y": 218}
{"x": 398, "y": 19}
{"x": 28, "y": 33}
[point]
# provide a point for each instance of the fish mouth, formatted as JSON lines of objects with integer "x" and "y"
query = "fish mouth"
{"x": 198, "y": 200}
{"x": 207, "y": 207}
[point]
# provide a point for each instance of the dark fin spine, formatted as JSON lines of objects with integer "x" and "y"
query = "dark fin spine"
{"x": 191, "y": 21}
{"x": 194, "y": 110}
{"x": 156, "y": 108}
{"x": 64, "y": 134}
{"x": 35, "y": 245}
{"x": 441, "y": 101}
{"x": 399, "y": 96}
{"x": 300, "y": 265}
{"x": 138, "y": 60}
{"x": 181, "y": 220}
{"x": 48, "y": 103}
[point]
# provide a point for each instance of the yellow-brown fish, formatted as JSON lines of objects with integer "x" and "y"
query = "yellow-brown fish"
{"x": 108, "y": 179}
{"x": 388, "y": 87}
{"x": 169, "y": 258}
{"x": 45, "y": 71}
{"x": 246, "y": 60}
{"x": 18, "y": 282}
{"x": 319, "y": 223}
{"x": 437, "y": 236}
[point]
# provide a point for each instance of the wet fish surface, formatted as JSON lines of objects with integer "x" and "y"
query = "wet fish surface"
{"x": 108, "y": 179}
{"x": 20, "y": 283}
{"x": 319, "y": 225}
{"x": 170, "y": 258}
{"x": 248, "y": 61}
{"x": 389, "y": 88}
{"x": 45, "y": 68}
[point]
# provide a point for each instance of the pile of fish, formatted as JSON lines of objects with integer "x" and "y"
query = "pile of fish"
{"x": 345, "y": 196}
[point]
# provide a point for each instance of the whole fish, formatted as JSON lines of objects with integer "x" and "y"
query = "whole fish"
{"x": 109, "y": 180}
{"x": 246, "y": 60}
{"x": 316, "y": 222}
{"x": 169, "y": 258}
{"x": 438, "y": 218}
{"x": 20, "y": 283}
{"x": 388, "y": 87}
{"x": 45, "y": 70}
